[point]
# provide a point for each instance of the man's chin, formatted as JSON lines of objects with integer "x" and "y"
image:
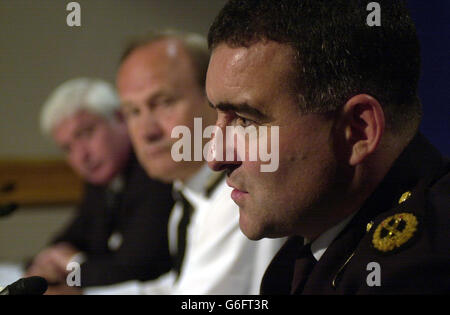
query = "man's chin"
{"x": 171, "y": 171}
{"x": 98, "y": 182}
{"x": 251, "y": 235}
{"x": 160, "y": 172}
{"x": 250, "y": 230}
{"x": 100, "y": 178}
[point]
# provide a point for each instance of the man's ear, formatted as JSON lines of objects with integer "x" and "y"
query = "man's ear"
{"x": 364, "y": 126}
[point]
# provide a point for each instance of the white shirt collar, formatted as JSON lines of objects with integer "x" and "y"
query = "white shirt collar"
{"x": 196, "y": 187}
{"x": 320, "y": 245}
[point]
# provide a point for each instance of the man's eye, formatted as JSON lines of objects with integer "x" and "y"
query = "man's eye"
{"x": 131, "y": 112}
{"x": 244, "y": 122}
{"x": 87, "y": 132}
{"x": 165, "y": 102}
{"x": 66, "y": 149}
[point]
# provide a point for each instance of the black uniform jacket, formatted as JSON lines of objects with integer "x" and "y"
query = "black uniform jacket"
{"x": 419, "y": 263}
{"x": 139, "y": 222}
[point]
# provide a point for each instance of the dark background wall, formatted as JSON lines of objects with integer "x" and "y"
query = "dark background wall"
{"x": 432, "y": 18}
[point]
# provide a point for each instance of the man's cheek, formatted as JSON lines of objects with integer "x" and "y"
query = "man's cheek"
{"x": 253, "y": 171}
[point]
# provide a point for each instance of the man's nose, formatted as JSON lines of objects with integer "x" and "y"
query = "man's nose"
{"x": 80, "y": 154}
{"x": 222, "y": 154}
{"x": 149, "y": 128}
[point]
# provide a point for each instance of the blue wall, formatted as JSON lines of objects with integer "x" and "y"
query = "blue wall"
{"x": 432, "y": 18}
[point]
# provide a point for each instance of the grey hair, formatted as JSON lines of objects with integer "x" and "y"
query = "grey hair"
{"x": 93, "y": 95}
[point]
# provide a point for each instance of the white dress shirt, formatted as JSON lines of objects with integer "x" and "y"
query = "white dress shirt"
{"x": 320, "y": 245}
{"x": 219, "y": 258}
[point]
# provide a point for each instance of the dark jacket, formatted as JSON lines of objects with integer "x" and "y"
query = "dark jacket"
{"x": 140, "y": 217}
{"x": 421, "y": 261}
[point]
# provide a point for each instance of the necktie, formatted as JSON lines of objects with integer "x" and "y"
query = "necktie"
{"x": 304, "y": 265}
{"x": 182, "y": 230}
{"x": 188, "y": 209}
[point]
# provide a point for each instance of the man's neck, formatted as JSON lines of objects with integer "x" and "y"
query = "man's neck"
{"x": 190, "y": 172}
{"x": 366, "y": 178}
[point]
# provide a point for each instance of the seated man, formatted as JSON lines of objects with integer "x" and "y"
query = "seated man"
{"x": 161, "y": 84}
{"x": 367, "y": 204}
{"x": 120, "y": 230}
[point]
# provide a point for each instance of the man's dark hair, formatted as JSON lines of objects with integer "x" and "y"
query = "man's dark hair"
{"x": 337, "y": 54}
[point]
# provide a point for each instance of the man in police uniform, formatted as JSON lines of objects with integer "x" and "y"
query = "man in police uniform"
{"x": 367, "y": 204}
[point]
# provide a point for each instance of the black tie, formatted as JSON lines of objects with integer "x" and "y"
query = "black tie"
{"x": 304, "y": 264}
{"x": 184, "y": 222}
{"x": 182, "y": 230}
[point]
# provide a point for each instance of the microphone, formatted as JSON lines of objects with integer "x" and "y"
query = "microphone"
{"x": 26, "y": 286}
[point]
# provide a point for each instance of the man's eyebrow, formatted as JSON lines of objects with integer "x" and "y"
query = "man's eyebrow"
{"x": 151, "y": 98}
{"x": 243, "y": 108}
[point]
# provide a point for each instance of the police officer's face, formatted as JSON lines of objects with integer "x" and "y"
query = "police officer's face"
{"x": 252, "y": 86}
{"x": 95, "y": 148}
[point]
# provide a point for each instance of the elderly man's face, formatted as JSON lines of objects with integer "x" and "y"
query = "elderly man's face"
{"x": 159, "y": 91}
{"x": 253, "y": 86}
{"x": 96, "y": 148}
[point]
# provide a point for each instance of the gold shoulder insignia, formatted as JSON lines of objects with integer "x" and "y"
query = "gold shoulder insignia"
{"x": 394, "y": 231}
{"x": 404, "y": 197}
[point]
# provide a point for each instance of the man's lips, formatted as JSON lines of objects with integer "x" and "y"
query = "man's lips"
{"x": 93, "y": 167}
{"x": 237, "y": 194}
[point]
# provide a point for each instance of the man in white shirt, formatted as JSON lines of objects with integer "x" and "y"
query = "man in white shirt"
{"x": 161, "y": 84}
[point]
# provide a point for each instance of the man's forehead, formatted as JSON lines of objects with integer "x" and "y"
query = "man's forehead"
{"x": 250, "y": 66}
{"x": 86, "y": 116}
{"x": 143, "y": 63}
{"x": 152, "y": 64}
{"x": 75, "y": 121}
{"x": 162, "y": 52}
{"x": 265, "y": 52}
{"x": 237, "y": 73}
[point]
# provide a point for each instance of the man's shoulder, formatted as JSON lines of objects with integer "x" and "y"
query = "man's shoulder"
{"x": 407, "y": 247}
{"x": 420, "y": 214}
{"x": 405, "y": 229}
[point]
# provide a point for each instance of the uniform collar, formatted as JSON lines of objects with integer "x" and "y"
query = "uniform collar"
{"x": 320, "y": 245}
